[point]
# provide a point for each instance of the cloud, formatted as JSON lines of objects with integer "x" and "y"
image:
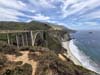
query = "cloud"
{"x": 6, "y": 17}
{"x": 43, "y": 3}
{"x": 12, "y": 10}
{"x": 72, "y": 13}
{"x": 16, "y": 5}
{"x": 91, "y": 23}
{"x": 71, "y": 7}
{"x": 41, "y": 17}
{"x": 6, "y": 14}
{"x": 91, "y": 16}
{"x": 12, "y": 4}
{"x": 22, "y": 4}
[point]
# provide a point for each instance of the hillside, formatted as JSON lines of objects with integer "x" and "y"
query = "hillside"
{"x": 37, "y": 60}
{"x": 61, "y": 27}
{"x": 33, "y": 25}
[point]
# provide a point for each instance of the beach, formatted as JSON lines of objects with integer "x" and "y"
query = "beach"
{"x": 69, "y": 53}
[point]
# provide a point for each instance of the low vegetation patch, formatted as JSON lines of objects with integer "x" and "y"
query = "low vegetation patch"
{"x": 48, "y": 62}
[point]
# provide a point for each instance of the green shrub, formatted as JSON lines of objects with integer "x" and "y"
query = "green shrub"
{"x": 25, "y": 69}
{"x": 9, "y": 49}
{"x": 3, "y": 60}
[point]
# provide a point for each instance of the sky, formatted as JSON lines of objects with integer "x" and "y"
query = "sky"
{"x": 75, "y": 14}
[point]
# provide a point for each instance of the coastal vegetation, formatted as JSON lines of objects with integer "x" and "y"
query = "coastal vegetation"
{"x": 41, "y": 59}
{"x": 48, "y": 63}
{"x": 34, "y": 25}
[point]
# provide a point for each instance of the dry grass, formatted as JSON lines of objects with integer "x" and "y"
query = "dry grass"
{"x": 40, "y": 61}
{"x": 24, "y": 58}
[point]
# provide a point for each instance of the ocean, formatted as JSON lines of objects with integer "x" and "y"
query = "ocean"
{"x": 86, "y": 48}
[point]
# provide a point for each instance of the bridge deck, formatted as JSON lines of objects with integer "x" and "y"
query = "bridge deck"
{"x": 22, "y": 31}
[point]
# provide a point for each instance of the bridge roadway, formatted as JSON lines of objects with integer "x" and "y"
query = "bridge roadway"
{"x": 22, "y": 31}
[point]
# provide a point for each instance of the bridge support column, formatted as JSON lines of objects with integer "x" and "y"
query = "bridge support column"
{"x": 8, "y": 39}
{"x": 23, "y": 42}
{"x": 42, "y": 35}
{"x": 26, "y": 39}
{"x": 32, "y": 38}
{"x": 45, "y": 38}
{"x": 17, "y": 40}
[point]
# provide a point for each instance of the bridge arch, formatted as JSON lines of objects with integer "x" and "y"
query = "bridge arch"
{"x": 39, "y": 38}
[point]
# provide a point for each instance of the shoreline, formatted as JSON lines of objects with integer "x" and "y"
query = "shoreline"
{"x": 69, "y": 53}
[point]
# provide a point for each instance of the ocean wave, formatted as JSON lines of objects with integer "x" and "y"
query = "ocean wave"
{"x": 83, "y": 58}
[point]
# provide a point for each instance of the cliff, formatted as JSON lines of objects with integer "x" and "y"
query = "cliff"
{"x": 40, "y": 59}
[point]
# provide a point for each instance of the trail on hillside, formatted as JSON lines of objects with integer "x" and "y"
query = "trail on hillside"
{"x": 24, "y": 58}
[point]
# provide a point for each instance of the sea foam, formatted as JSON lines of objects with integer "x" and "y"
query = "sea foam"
{"x": 83, "y": 58}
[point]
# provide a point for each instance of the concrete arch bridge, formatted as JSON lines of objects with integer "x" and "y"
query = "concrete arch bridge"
{"x": 21, "y": 38}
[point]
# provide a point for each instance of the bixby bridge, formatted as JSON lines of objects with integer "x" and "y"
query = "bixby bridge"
{"x": 28, "y": 37}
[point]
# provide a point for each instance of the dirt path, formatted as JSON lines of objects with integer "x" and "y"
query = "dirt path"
{"x": 24, "y": 58}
